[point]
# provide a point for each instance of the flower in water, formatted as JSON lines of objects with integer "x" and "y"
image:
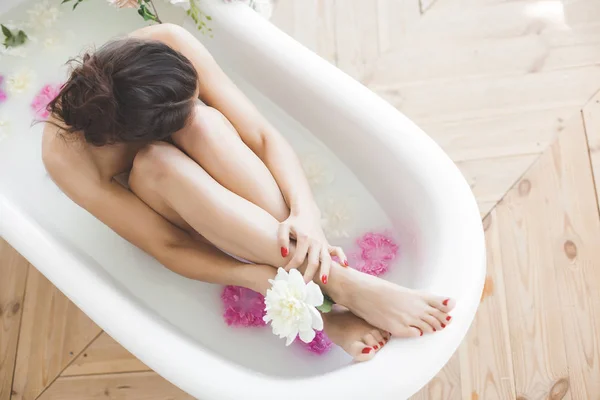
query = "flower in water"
{"x": 243, "y": 307}
{"x": 2, "y": 92}
{"x": 377, "y": 251}
{"x": 185, "y": 4}
{"x": 124, "y": 3}
{"x": 43, "y": 98}
{"x": 316, "y": 171}
{"x": 337, "y": 218}
{"x": 19, "y": 82}
{"x": 43, "y": 15}
{"x": 291, "y": 307}
{"x": 4, "y": 127}
{"x": 320, "y": 345}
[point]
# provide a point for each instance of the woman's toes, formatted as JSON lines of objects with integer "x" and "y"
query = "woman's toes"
{"x": 361, "y": 351}
{"x": 370, "y": 340}
{"x": 432, "y": 322}
{"x": 407, "y": 332}
{"x": 444, "y": 304}
{"x": 443, "y": 318}
{"x": 378, "y": 337}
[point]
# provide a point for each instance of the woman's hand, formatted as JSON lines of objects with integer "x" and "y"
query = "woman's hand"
{"x": 311, "y": 245}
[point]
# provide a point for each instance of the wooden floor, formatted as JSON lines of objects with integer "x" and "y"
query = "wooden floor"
{"x": 505, "y": 88}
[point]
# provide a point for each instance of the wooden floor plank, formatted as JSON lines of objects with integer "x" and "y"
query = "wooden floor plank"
{"x": 486, "y": 360}
{"x": 13, "y": 276}
{"x": 591, "y": 118}
{"x": 549, "y": 230}
{"x": 104, "y": 356}
{"x": 132, "y": 386}
{"x": 53, "y": 332}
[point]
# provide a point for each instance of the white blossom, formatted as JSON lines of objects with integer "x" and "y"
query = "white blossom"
{"x": 337, "y": 218}
{"x": 20, "y": 81}
{"x": 317, "y": 171}
{"x": 42, "y": 15}
{"x": 291, "y": 307}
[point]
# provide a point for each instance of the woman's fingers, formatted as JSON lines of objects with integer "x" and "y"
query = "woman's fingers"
{"x": 314, "y": 255}
{"x": 283, "y": 237}
{"x": 325, "y": 264}
{"x": 302, "y": 246}
{"x": 337, "y": 251}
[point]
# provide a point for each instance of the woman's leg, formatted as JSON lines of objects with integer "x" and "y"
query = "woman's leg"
{"x": 175, "y": 185}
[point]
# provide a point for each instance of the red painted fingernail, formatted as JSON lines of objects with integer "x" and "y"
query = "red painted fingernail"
{"x": 345, "y": 263}
{"x": 421, "y": 332}
{"x": 443, "y": 325}
{"x": 434, "y": 330}
{"x": 375, "y": 347}
{"x": 284, "y": 252}
{"x": 366, "y": 350}
{"x": 381, "y": 344}
{"x": 324, "y": 279}
{"x": 448, "y": 318}
{"x": 445, "y": 302}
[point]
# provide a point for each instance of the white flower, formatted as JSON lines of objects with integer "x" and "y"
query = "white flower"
{"x": 43, "y": 15}
{"x": 263, "y": 7}
{"x": 185, "y": 4}
{"x": 4, "y": 128}
{"x": 337, "y": 218}
{"x": 291, "y": 307}
{"x": 316, "y": 171}
{"x": 19, "y": 82}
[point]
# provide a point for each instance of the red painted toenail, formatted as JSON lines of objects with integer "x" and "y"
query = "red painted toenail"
{"x": 421, "y": 332}
{"x": 448, "y": 318}
{"x": 324, "y": 279}
{"x": 381, "y": 344}
{"x": 445, "y": 302}
{"x": 375, "y": 347}
{"x": 345, "y": 263}
{"x": 443, "y": 325}
{"x": 284, "y": 252}
{"x": 366, "y": 350}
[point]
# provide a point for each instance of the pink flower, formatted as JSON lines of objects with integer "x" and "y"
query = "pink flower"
{"x": 243, "y": 307}
{"x": 2, "y": 96}
{"x": 43, "y": 98}
{"x": 320, "y": 345}
{"x": 377, "y": 251}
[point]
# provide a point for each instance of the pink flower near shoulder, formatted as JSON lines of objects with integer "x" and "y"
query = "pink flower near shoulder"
{"x": 320, "y": 345}
{"x": 43, "y": 98}
{"x": 243, "y": 307}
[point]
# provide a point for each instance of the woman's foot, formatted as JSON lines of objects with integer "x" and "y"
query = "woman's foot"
{"x": 401, "y": 311}
{"x": 358, "y": 338}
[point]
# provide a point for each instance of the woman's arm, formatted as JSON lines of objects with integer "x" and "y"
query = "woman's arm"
{"x": 218, "y": 91}
{"x": 133, "y": 220}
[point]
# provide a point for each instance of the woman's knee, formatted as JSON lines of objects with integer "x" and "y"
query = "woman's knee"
{"x": 153, "y": 163}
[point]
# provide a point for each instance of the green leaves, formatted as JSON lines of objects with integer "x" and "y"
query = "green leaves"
{"x": 13, "y": 39}
{"x": 77, "y": 2}
{"x": 148, "y": 15}
{"x": 327, "y": 305}
{"x": 199, "y": 18}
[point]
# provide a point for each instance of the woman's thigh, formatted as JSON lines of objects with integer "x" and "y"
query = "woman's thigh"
{"x": 181, "y": 191}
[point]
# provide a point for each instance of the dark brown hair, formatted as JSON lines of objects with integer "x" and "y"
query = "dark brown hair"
{"x": 129, "y": 90}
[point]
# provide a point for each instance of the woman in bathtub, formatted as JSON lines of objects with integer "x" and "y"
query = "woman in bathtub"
{"x": 204, "y": 171}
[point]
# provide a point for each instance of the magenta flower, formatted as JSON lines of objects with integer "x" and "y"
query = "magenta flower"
{"x": 377, "y": 251}
{"x": 43, "y": 98}
{"x": 243, "y": 307}
{"x": 320, "y": 345}
{"x": 2, "y": 92}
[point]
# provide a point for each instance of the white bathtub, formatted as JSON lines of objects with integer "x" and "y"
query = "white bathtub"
{"x": 165, "y": 319}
